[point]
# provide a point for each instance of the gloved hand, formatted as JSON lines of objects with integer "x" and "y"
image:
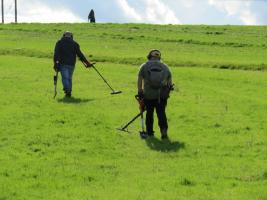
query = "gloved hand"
{"x": 56, "y": 66}
{"x": 88, "y": 64}
{"x": 140, "y": 98}
{"x": 140, "y": 94}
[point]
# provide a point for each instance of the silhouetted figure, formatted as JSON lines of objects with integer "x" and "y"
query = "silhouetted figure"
{"x": 91, "y": 16}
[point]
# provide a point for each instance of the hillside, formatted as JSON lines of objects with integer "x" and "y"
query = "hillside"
{"x": 58, "y": 149}
{"x": 206, "y": 46}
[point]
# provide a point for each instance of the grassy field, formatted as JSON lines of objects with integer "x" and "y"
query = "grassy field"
{"x": 68, "y": 150}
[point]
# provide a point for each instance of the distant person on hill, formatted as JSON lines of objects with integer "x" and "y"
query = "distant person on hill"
{"x": 154, "y": 85}
{"x": 91, "y": 16}
{"x": 66, "y": 50}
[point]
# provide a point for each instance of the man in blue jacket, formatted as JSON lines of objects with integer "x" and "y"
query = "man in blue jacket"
{"x": 66, "y": 50}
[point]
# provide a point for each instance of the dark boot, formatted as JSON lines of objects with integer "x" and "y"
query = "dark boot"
{"x": 164, "y": 134}
{"x": 68, "y": 94}
{"x": 150, "y": 134}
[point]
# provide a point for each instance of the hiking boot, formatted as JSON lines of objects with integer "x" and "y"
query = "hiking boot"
{"x": 164, "y": 134}
{"x": 68, "y": 94}
{"x": 164, "y": 137}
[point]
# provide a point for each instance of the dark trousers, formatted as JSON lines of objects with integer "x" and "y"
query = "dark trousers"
{"x": 160, "y": 107}
{"x": 92, "y": 20}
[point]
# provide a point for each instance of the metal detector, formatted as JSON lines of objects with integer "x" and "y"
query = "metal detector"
{"x": 124, "y": 128}
{"x": 143, "y": 134}
{"x": 113, "y": 91}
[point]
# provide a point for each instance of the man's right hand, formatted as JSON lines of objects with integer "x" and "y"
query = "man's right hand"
{"x": 88, "y": 64}
{"x": 140, "y": 94}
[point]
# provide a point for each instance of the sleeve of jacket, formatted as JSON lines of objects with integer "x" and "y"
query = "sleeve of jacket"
{"x": 57, "y": 52}
{"x": 79, "y": 53}
{"x": 141, "y": 72}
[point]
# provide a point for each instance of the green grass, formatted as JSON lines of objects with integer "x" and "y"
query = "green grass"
{"x": 232, "y": 47}
{"x": 57, "y": 149}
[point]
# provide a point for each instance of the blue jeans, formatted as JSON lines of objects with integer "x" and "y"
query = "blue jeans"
{"x": 66, "y": 74}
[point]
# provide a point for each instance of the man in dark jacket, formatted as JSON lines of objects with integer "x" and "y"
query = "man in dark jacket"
{"x": 154, "y": 84}
{"x": 91, "y": 16}
{"x": 66, "y": 50}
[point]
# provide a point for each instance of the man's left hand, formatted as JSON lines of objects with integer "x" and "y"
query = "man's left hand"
{"x": 140, "y": 94}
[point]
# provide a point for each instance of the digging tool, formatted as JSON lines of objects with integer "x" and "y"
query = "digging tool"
{"x": 113, "y": 91}
{"x": 143, "y": 134}
{"x": 55, "y": 84}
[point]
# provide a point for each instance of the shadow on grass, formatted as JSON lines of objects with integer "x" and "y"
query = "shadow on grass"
{"x": 72, "y": 100}
{"x": 164, "y": 145}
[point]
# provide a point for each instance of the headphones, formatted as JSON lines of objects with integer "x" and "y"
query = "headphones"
{"x": 68, "y": 34}
{"x": 154, "y": 53}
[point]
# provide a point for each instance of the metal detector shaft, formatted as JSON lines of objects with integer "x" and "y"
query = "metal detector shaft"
{"x": 123, "y": 128}
{"x": 113, "y": 91}
{"x": 103, "y": 78}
